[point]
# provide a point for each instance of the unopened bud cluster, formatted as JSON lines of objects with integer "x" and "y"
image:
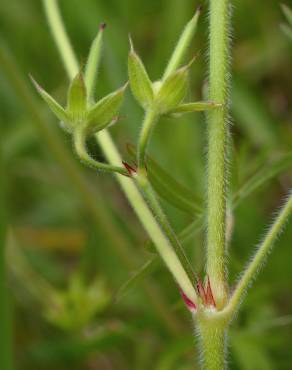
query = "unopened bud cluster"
{"x": 80, "y": 112}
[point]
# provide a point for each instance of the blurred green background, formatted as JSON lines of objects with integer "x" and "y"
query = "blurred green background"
{"x": 73, "y": 241}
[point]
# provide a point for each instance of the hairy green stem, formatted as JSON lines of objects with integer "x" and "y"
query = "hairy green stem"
{"x": 212, "y": 341}
{"x": 147, "y": 127}
{"x": 81, "y": 150}
{"x": 260, "y": 256}
{"x": 217, "y": 148}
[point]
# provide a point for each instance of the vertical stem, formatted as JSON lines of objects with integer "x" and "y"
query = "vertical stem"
{"x": 5, "y": 316}
{"x": 217, "y": 148}
{"x": 212, "y": 334}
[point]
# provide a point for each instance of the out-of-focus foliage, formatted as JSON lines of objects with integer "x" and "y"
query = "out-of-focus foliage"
{"x": 67, "y": 221}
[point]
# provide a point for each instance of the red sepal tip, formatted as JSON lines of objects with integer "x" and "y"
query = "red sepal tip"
{"x": 131, "y": 170}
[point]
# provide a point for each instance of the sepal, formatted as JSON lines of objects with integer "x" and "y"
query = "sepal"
{"x": 104, "y": 112}
{"x": 140, "y": 82}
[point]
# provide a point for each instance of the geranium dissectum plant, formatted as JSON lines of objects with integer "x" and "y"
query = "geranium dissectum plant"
{"x": 211, "y": 301}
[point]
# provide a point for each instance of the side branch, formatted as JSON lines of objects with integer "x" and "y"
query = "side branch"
{"x": 259, "y": 257}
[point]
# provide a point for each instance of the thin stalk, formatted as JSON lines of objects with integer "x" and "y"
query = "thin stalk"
{"x": 81, "y": 150}
{"x": 151, "y": 225}
{"x": 97, "y": 208}
{"x": 133, "y": 195}
{"x": 6, "y": 356}
{"x": 61, "y": 38}
{"x": 147, "y": 127}
{"x": 260, "y": 256}
{"x": 217, "y": 148}
{"x": 150, "y": 197}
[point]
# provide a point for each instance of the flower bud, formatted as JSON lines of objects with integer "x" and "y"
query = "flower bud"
{"x": 172, "y": 92}
{"x": 105, "y": 110}
{"x": 77, "y": 99}
{"x": 141, "y": 85}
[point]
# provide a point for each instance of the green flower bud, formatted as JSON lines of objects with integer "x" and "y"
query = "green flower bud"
{"x": 105, "y": 110}
{"x": 77, "y": 99}
{"x": 140, "y": 83}
{"x": 172, "y": 91}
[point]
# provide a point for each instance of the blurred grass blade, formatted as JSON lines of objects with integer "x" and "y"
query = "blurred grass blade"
{"x": 253, "y": 117}
{"x": 169, "y": 188}
{"x": 147, "y": 268}
{"x": 287, "y": 30}
{"x": 6, "y": 356}
{"x": 263, "y": 176}
{"x": 287, "y": 12}
{"x": 74, "y": 348}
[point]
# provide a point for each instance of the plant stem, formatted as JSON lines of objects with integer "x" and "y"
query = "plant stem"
{"x": 150, "y": 197}
{"x": 212, "y": 336}
{"x": 147, "y": 127}
{"x": 80, "y": 147}
{"x": 259, "y": 257}
{"x": 61, "y": 38}
{"x": 6, "y": 356}
{"x": 133, "y": 195}
{"x": 217, "y": 148}
{"x": 151, "y": 225}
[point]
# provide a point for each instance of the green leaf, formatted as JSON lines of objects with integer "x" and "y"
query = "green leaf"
{"x": 194, "y": 107}
{"x": 172, "y": 91}
{"x": 105, "y": 110}
{"x": 55, "y": 107}
{"x": 147, "y": 268}
{"x": 169, "y": 188}
{"x": 77, "y": 99}
{"x": 140, "y": 83}
{"x": 74, "y": 348}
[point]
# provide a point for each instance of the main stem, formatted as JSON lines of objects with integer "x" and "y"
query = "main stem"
{"x": 217, "y": 149}
{"x": 212, "y": 335}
